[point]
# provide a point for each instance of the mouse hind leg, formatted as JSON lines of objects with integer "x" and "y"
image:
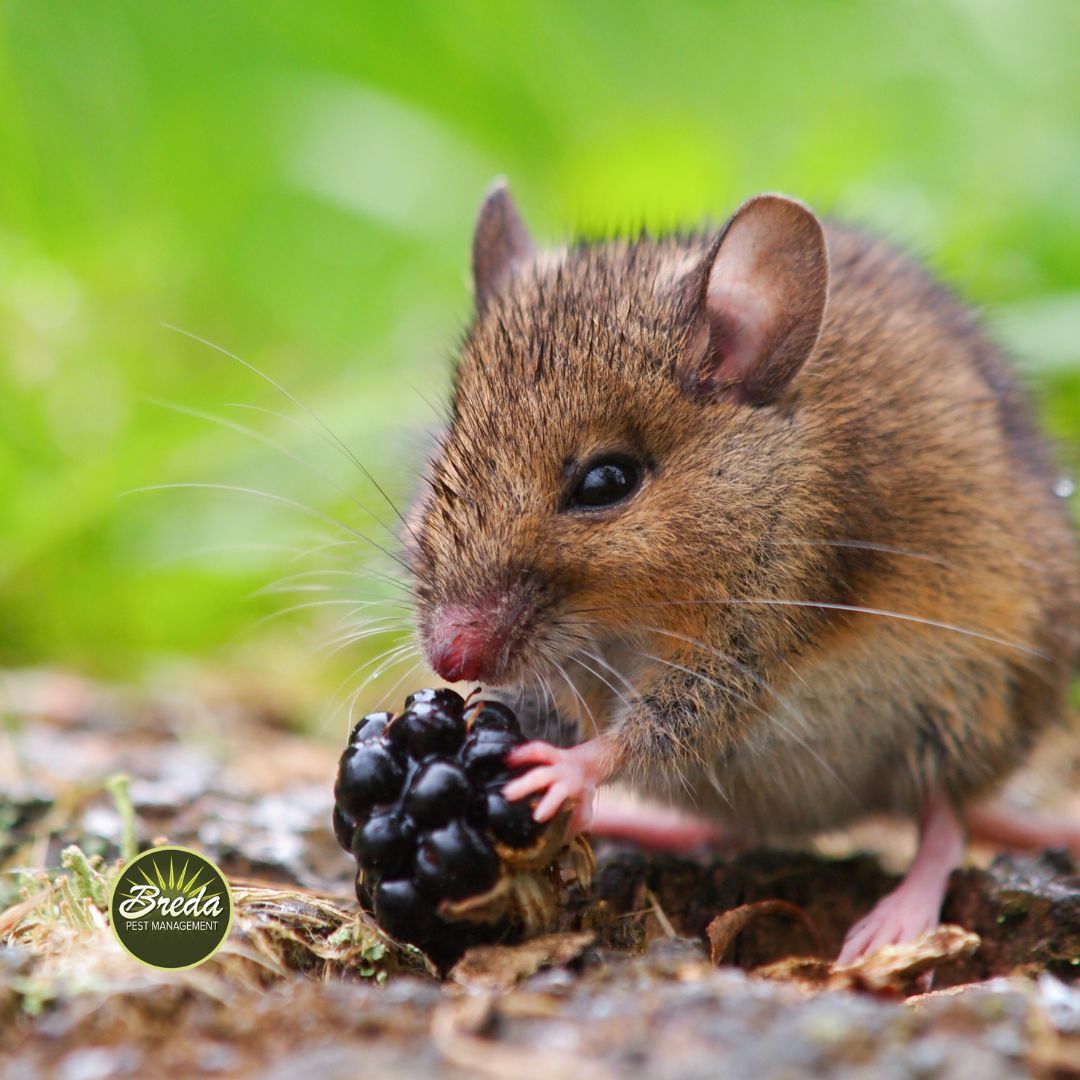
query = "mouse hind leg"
{"x": 1008, "y": 827}
{"x": 914, "y": 906}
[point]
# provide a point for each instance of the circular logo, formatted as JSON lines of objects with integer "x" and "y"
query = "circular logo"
{"x": 171, "y": 908}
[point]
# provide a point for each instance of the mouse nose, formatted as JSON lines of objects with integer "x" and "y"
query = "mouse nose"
{"x": 467, "y": 642}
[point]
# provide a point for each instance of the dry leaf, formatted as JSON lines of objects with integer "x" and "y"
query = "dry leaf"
{"x": 890, "y": 971}
{"x": 724, "y": 929}
{"x": 500, "y": 967}
{"x": 896, "y": 963}
{"x": 807, "y": 972}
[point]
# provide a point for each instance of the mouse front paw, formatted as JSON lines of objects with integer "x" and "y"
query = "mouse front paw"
{"x": 563, "y": 775}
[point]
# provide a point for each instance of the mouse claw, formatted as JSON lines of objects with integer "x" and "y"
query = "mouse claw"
{"x": 565, "y": 776}
{"x": 900, "y": 917}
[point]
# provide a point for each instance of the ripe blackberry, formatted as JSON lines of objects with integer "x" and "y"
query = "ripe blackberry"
{"x": 511, "y": 823}
{"x": 444, "y": 859}
{"x": 439, "y": 793}
{"x": 368, "y": 775}
{"x": 455, "y": 862}
{"x": 369, "y": 727}
{"x": 385, "y": 844}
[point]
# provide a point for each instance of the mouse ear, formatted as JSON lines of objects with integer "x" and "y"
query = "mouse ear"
{"x": 501, "y": 243}
{"x": 756, "y": 302}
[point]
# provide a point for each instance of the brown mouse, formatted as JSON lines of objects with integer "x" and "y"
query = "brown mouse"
{"x": 769, "y": 510}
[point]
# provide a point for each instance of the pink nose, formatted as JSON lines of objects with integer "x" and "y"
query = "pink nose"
{"x": 467, "y": 643}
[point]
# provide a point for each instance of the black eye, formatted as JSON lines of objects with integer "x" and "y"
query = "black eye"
{"x": 603, "y": 482}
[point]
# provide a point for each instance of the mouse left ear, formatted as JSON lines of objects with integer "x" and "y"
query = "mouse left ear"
{"x": 501, "y": 243}
{"x": 756, "y": 302}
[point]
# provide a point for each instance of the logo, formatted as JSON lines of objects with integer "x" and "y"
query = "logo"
{"x": 171, "y": 908}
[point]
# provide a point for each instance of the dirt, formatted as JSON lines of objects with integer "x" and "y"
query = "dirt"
{"x": 668, "y": 966}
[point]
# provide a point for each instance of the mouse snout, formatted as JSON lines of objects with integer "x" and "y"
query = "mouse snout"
{"x": 468, "y": 643}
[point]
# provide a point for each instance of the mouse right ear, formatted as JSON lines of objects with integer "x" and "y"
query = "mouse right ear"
{"x": 501, "y": 243}
{"x": 756, "y": 302}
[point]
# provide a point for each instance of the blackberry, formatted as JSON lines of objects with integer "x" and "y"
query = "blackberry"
{"x": 448, "y": 699}
{"x": 511, "y": 822}
{"x": 368, "y": 774}
{"x": 402, "y": 911}
{"x": 344, "y": 827}
{"x": 385, "y": 844}
{"x": 369, "y": 727}
{"x": 442, "y": 854}
{"x": 455, "y": 862}
{"x": 427, "y": 729}
{"x": 439, "y": 793}
{"x": 492, "y": 716}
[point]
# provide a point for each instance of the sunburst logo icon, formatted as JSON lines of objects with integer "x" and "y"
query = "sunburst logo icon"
{"x": 171, "y": 908}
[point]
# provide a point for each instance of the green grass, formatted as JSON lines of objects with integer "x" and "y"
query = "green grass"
{"x": 296, "y": 182}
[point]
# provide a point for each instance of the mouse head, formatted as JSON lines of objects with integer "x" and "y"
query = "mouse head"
{"x": 619, "y": 414}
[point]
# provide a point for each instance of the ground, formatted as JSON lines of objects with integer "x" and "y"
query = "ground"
{"x": 667, "y": 966}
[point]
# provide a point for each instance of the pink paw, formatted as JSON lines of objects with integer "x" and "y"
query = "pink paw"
{"x": 565, "y": 776}
{"x": 902, "y": 916}
{"x": 655, "y": 827}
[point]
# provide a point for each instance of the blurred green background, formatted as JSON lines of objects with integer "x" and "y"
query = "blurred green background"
{"x": 296, "y": 183}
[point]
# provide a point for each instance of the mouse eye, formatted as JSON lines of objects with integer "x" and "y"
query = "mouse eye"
{"x": 604, "y": 481}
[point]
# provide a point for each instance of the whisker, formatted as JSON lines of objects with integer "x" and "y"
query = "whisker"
{"x": 865, "y": 545}
{"x": 714, "y": 783}
{"x": 390, "y": 694}
{"x": 780, "y": 699}
{"x": 439, "y": 413}
{"x": 286, "y": 583}
{"x": 551, "y": 699}
{"x": 393, "y": 658}
{"x": 576, "y": 658}
{"x": 336, "y": 700}
{"x": 271, "y": 497}
{"x": 599, "y": 658}
{"x": 300, "y": 405}
{"x": 856, "y": 609}
{"x": 358, "y": 631}
{"x": 278, "y": 589}
{"x": 273, "y": 444}
{"x": 361, "y": 599}
{"x": 692, "y": 753}
{"x": 574, "y": 690}
{"x": 724, "y": 689}
{"x": 532, "y": 693}
{"x": 317, "y": 548}
{"x": 354, "y": 637}
{"x": 306, "y": 605}
{"x": 365, "y": 571}
{"x": 229, "y": 549}
{"x": 348, "y": 625}
{"x": 830, "y": 606}
{"x": 352, "y": 698}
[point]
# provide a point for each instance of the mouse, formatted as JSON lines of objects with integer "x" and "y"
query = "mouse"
{"x": 766, "y": 511}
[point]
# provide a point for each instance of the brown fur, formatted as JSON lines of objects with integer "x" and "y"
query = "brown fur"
{"x": 898, "y": 471}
